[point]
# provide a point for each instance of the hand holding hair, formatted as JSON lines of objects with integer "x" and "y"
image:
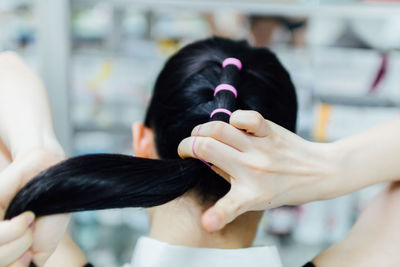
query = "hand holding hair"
{"x": 269, "y": 166}
{"x": 40, "y": 240}
{"x": 27, "y": 132}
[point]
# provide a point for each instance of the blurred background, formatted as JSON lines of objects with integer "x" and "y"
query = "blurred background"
{"x": 99, "y": 60}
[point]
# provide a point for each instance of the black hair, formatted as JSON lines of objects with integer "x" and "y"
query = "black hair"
{"x": 183, "y": 98}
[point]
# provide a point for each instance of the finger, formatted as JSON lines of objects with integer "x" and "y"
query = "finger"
{"x": 211, "y": 150}
{"x": 50, "y": 229}
{"x": 250, "y": 121}
{"x": 15, "y": 249}
{"x": 16, "y": 227}
{"x": 223, "y": 212}
{"x": 224, "y": 133}
{"x": 23, "y": 261}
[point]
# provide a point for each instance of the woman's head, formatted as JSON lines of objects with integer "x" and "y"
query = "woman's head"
{"x": 184, "y": 96}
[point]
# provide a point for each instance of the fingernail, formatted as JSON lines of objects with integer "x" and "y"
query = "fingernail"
{"x": 26, "y": 258}
{"x": 29, "y": 217}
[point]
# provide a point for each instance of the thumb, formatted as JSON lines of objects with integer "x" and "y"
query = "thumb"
{"x": 223, "y": 212}
{"x": 251, "y": 121}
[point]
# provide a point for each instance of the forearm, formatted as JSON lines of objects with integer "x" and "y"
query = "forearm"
{"x": 25, "y": 116}
{"x": 370, "y": 157}
{"x": 67, "y": 254}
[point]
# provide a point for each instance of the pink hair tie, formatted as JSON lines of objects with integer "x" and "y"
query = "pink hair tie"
{"x": 220, "y": 110}
{"x": 232, "y": 61}
{"x": 194, "y": 153}
{"x": 226, "y": 87}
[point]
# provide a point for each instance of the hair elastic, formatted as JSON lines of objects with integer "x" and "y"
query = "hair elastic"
{"x": 232, "y": 61}
{"x": 194, "y": 153}
{"x": 226, "y": 87}
{"x": 220, "y": 110}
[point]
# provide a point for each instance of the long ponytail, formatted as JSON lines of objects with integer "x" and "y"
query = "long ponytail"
{"x": 184, "y": 96}
{"x": 106, "y": 181}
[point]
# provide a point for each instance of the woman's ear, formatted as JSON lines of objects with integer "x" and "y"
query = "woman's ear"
{"x": 143, "y": 141}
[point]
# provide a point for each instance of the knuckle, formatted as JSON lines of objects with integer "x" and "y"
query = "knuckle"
{"x": 218, "y": 128}
{"x": 205, "y": 146}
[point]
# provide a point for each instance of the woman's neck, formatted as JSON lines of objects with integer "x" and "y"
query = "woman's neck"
{"x": 178, "y": 223}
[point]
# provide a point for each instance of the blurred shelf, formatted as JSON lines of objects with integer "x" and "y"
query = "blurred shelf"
{"x": 274, "y": 8}
{"x": 114, "y": 129}
{"x": 106, "y": 53}
{"x": 11, "y": 5}
{"x": 358, "y": 101}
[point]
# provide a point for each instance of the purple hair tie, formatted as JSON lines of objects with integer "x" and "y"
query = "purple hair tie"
{"x": 220, "y": 110}
{"x": 232, "y": 61}
{"x": 226, "y": 87}
{"x": 194, "y": 153}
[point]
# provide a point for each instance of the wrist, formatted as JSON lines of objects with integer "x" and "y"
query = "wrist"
{"x": 45, "y": 142}
{"x": 330, "y": 172}
{"x": 353, "y": 169}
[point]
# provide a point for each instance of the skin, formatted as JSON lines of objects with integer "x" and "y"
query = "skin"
{"x": 269, "y": 166}
{"x": 374, "y": 239}
{"x": 275, "y": 166}
{"x": 46, "y": 231}
{"x": 28, "y": 145}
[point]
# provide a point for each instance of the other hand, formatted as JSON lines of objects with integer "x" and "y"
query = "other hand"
{"x": 267, "y": 165}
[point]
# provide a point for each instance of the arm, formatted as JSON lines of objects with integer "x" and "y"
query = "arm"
{"x": 25, "y": 117}
{"x": 275, "y": 167}
{"x": 27, "y": 132}
{"x": 374, "y": 239}
{"x": 370, "y": 157}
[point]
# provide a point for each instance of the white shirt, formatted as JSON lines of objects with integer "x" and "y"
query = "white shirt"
{"x": 153, "y": 253}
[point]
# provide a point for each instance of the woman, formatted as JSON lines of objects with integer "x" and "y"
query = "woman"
{"x": 183, "y": 98}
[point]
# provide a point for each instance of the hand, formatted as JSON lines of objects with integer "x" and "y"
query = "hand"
{"x": 267, "y": 166}
{"x": 15, "y": 240}
{"x": 46, "y": 231}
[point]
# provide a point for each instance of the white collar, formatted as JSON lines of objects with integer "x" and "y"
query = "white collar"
{"x": 153, "y": 253}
